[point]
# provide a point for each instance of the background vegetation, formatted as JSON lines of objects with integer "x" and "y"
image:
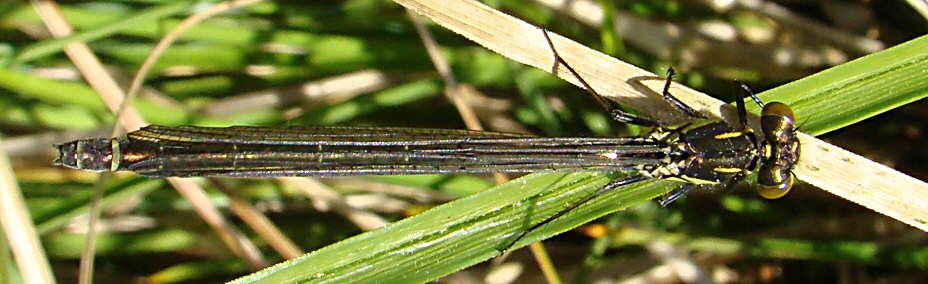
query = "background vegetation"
{"x": 265, "y": 65}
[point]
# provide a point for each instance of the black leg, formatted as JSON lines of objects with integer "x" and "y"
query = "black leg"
{"x": 609, "y": 187}
{"x": 559, "y": 60}
{"x": 742, "y": 111}
{"x": 674, "y": 101}
{"x": 745, "y": 90}
{"x": 616, "y": 113}
{"x": 733, "y": 181}
{"x": 675, "y": 194}
{"x": 625, "y": 117}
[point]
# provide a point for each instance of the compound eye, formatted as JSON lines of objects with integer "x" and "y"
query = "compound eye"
{"x": 776, "y": 122}
{"x": 775, "y": 192}
{"x": 773, "y": 181}
{"x": 778, "y": 109}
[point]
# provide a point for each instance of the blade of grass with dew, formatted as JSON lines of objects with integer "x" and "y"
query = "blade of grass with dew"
{"x": 458, "y": 234}
{"x": 455, "y": 185}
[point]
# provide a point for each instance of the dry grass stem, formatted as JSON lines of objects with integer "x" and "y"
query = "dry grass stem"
{"x": 113, "y": 96}
{"x": 920, "y": 6}
{"x": 19, "y": 229}
{"x": 240, "y": 245}
{"x": 259, "y": 222}
{"x": 686, "y": 46}
{"x": 169, "y": 39}
{"x": 326, "y": 91}
{"x": 452, "y": 88}
{"x": 853, "y": 43}
{"x": 325, "y": 199}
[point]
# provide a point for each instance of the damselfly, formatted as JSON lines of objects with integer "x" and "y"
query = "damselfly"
{"x": 701, "y": 152}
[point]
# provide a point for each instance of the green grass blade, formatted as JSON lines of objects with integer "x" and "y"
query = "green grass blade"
{"x": 859, "y": 89}
{"x": 52, "y": 218}
{"x": 458, "y": 234}
{"x": 48, "y": 47}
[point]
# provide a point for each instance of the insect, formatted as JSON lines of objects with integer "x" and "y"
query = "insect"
{"x": 698, "y": 153}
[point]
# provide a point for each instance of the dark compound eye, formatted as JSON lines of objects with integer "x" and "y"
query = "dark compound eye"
{"x": 778, "y": 109}
{"x": 775, "y": 176}
{"x": 774, "y": 181}
{"x": 777, "y": 121}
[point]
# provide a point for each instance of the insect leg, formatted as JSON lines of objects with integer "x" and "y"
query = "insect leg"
{"x": 745, "y": 90}
{"x": 675, "y": 194}
{"x": 674, "y": 101}
{"x": 609, "y": 187}
{"x": 617, "y": 114}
